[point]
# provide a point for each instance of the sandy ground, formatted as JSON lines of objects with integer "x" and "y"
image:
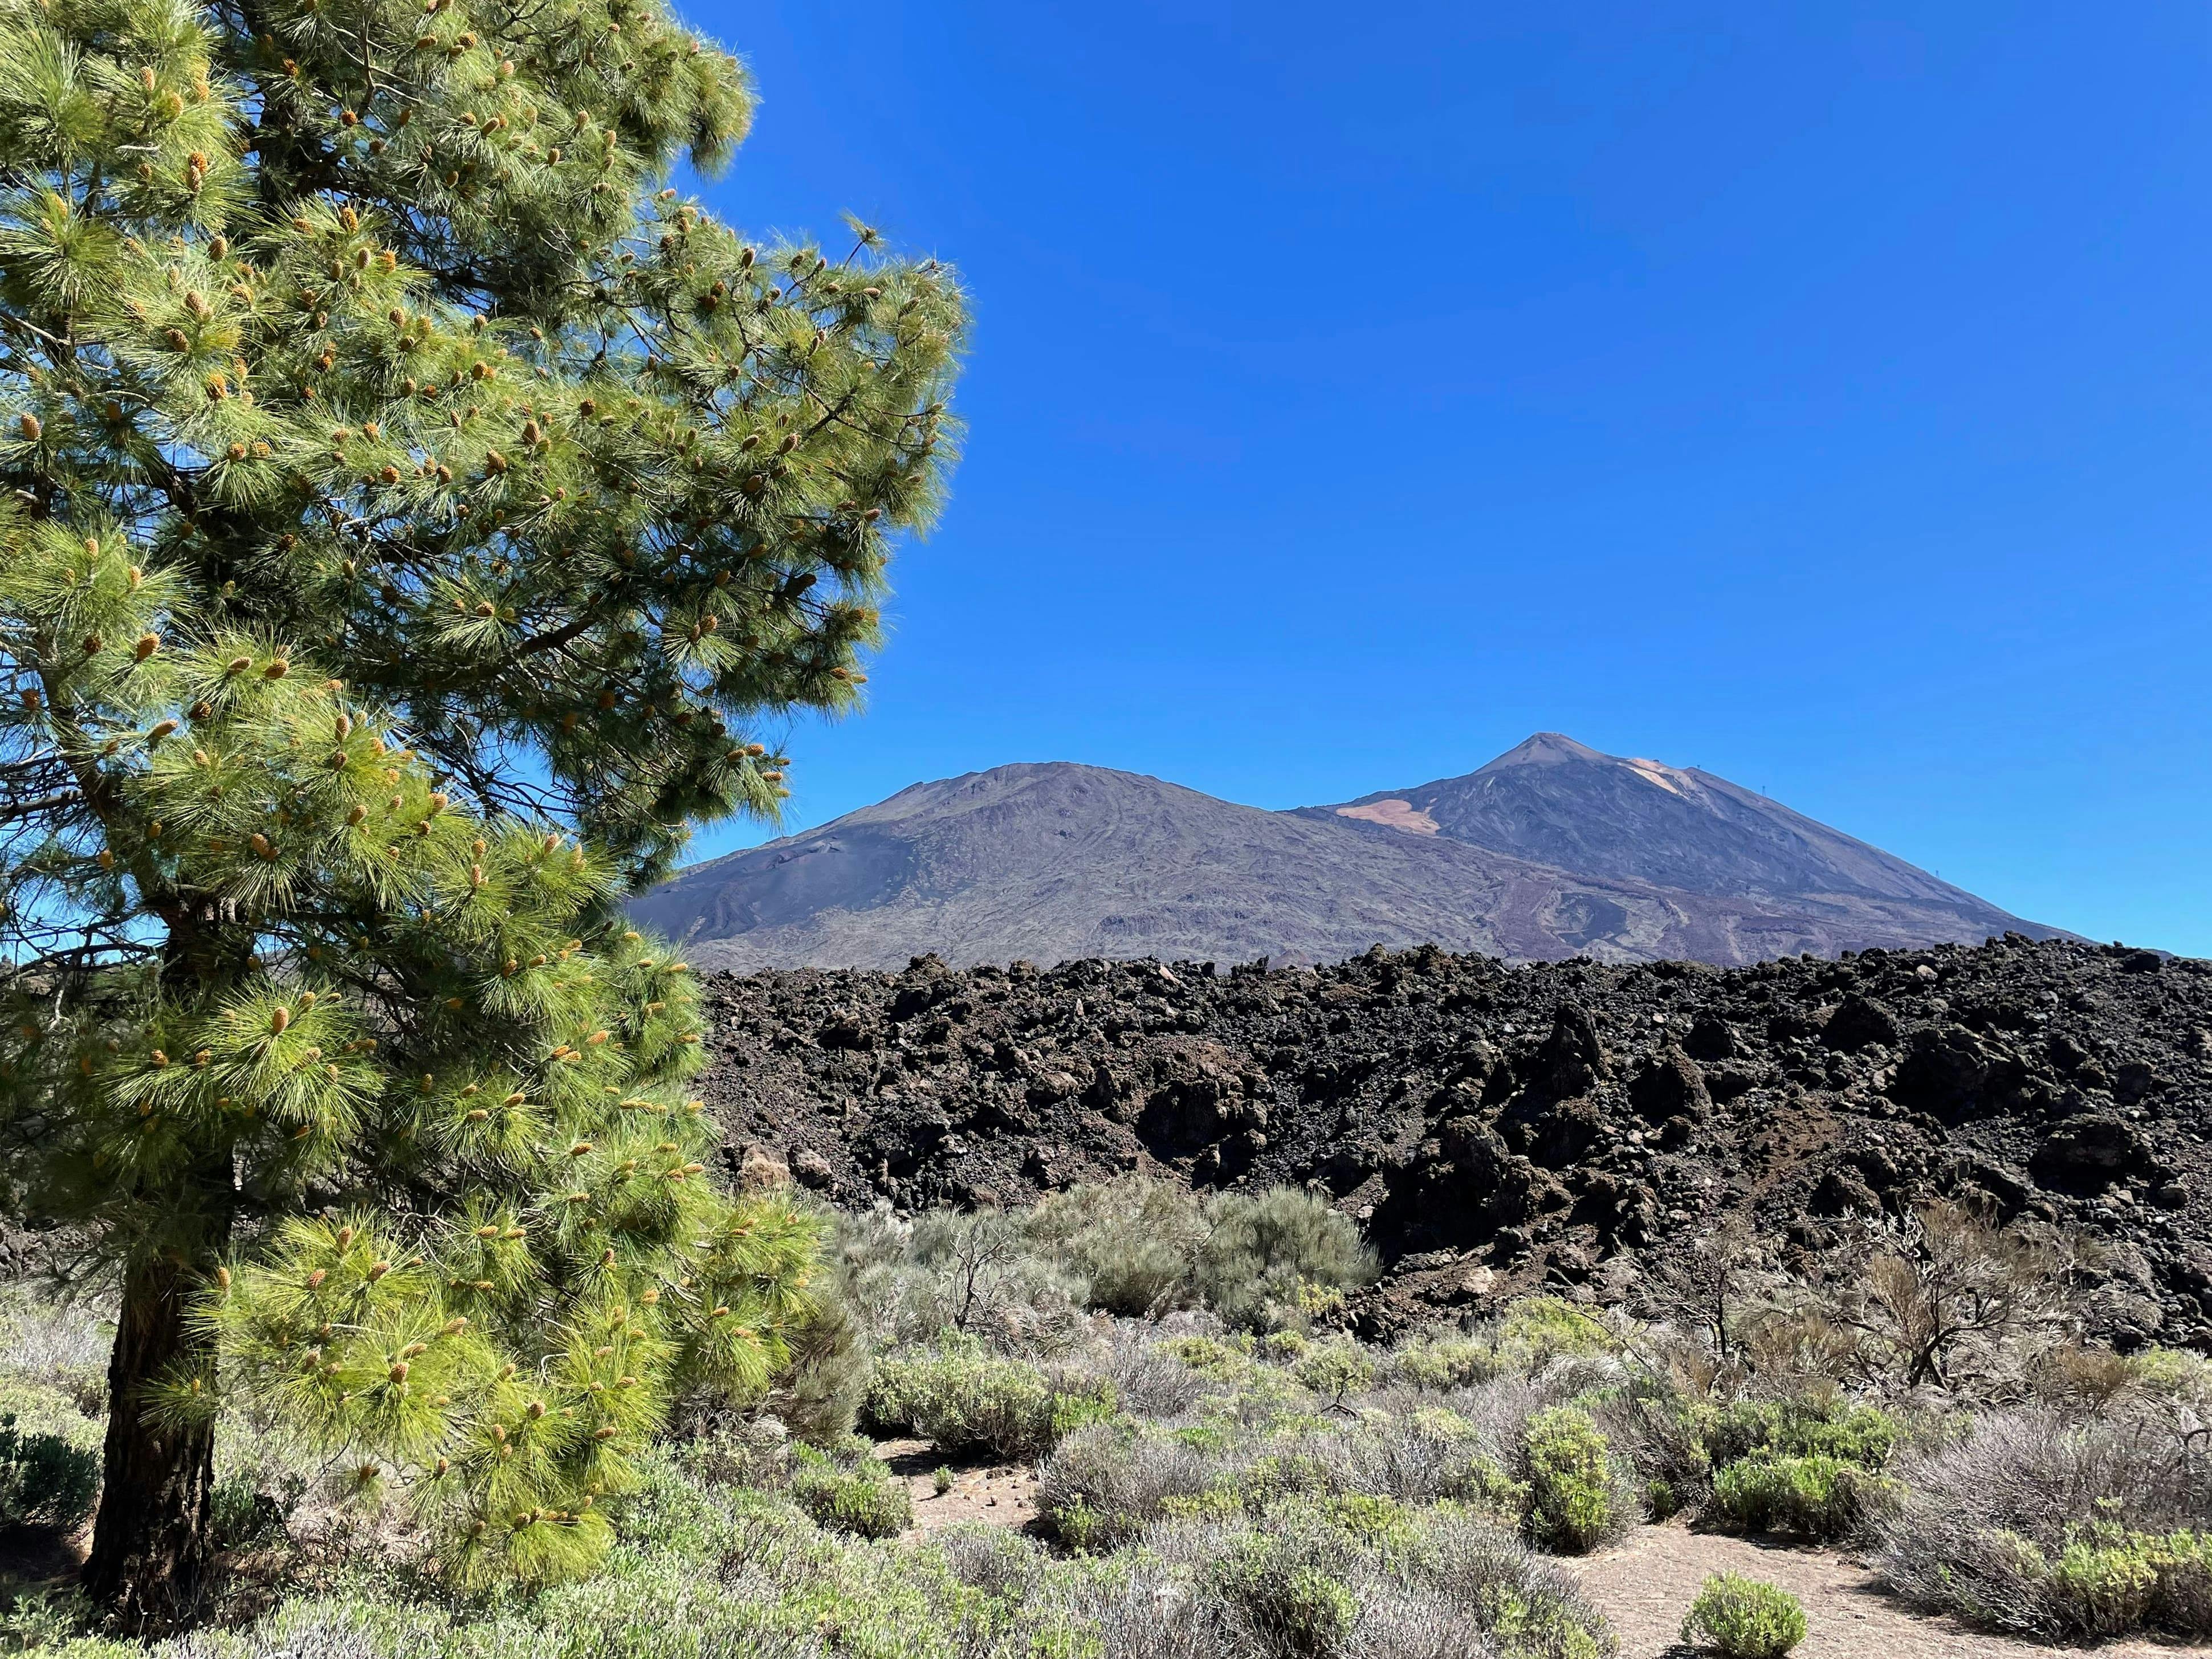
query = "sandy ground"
{"x": 1647, "y": 1584}
{"x": 1003, "y": 1494}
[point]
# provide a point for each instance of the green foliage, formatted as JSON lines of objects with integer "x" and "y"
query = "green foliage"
{"x": 42, "y": 1621}
{"x": 1442, "y": 1360}
{"x": 1133, "y": 1240}
{"x": 817, "y": 1392}
{"x": 1740, "y": 1618}
{"x": 44, "y": 1480}
{"x": 1335, "y": 1370}
{"x": 1271, "y": 1259}
{"x": 2106, "y": 1579}
{"x": 1292, "y": 1603}
{"x": 964, "y": 1399}
{"x": 1817, "y": 1497}
{"x": 1538, "y": 1329}
{"x": 1835, "y": 1428}
{"x": 1574, "y": 1500}
{"x": 410, "y": 513}
{"x": 856, "y": 1499}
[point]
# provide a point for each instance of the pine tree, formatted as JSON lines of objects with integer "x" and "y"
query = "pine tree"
{"x": 412, "y": 514}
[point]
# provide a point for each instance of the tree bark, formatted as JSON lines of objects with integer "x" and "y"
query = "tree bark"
{"x": 151, "y": 1545}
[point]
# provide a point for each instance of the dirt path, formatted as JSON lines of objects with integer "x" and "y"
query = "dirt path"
{"x": 1646, "y": 1585}
{"x": 1003, "y": 1494}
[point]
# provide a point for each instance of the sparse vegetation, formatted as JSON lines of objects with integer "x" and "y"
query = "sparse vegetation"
{"x": 1237, "y": 1476}
{"x": 1740, "y": 1618}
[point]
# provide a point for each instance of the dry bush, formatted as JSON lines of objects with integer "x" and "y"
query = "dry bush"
{"x": 1945, "y": 1299}
{"x": 1103, "y": 1486}
{"x": 990, "y": 1558}
{"x": 1135, "y": 1241}
{"x": 973, "y": 1273}
{"x": 984, "y": 1281}
{"x": 1986, "y": 1524}
{"x": 1149, "y": 1380}
{"x": 1272, "y": 1260}
{"x": 61, "y": 1345}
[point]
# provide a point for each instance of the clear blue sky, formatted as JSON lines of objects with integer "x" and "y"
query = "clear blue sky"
{"x": 1814, "y": 394}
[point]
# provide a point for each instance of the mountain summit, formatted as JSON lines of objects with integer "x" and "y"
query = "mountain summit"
{"x": 1552, "y": 800}
{"x": 1552, "y": 850}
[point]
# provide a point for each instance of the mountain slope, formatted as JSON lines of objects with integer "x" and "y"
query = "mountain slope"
{"x": 1054, "y": 861}
{"x": 1552, "y": 800}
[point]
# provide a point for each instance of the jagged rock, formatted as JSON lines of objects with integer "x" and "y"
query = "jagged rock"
{"x": 1456, "y": 1103}
{"x": 1670, "y": 1086}
{"x": 1571, "y": 1059}
{"x": 1953, "y": 1073}
{"x": 2086, "y": 1155}
{"x": 1859, "y": 1022}
{"x": 1842, "y": 1192}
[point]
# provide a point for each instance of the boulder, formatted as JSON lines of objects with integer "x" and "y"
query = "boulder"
{"x": 2085, "y": 1155}
{"x": 1671, "y": 1084}
{"x": 1859, "y": 1022}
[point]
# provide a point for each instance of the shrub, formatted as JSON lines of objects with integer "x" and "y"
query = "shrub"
{"x": 1443, "y": 1361}
{"x": 1818, "y": 1498}
{"x": 864, "y": 1502}
{"x": 44, "y": 1480}
{"x": 1475, "y": 1577}
{"x": 244, "y": 1510}
{"x": 1834, "y": 1428}
{"x": 1148, "y": 1377}
{"x": 1538, "y": 1329}
{"x": 990, "y": 1558}
{"x": 60, "y": 1345}
{"x": 2031, "y": 1524}
{"x": 1269, "y": 1258}
{"x": 1283, "y": 1588}
{"x": 818, "y": 1394}
{"x": 981, "y": 1278}
{"x": 1133, "y": 1241}
{"x": 1103, "y": 1485}
{"x": 1574, "y": 1497}
{"x": 1334, "y": 1370}
{"x": 963, "y": 1399}
{"x": 1740, "y": 1618}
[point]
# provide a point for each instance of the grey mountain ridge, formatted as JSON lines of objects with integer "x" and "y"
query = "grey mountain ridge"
{"x": 1552, "y": 850}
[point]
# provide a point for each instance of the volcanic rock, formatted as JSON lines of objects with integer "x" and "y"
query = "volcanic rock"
{"x": 1484, "y": 1119}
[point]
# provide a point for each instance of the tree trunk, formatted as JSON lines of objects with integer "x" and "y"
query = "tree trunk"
{"x": 151, "y": 1542}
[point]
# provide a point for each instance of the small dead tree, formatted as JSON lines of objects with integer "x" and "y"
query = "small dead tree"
{"x": 1944, "y": 1288}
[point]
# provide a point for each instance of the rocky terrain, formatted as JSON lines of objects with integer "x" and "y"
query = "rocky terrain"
{"x": 1551, "y": 851}
{"x": 1498, "y": 1126}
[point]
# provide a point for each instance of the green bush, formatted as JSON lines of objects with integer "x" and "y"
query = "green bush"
{"x": 1271, "y": 1259}
{"x": 1335, "y": 1370}
{"x": 1135, "y": 1241}
{"x": 1802, "y": 1428}
{"x": 964, "y": 1399}
{"x": 863, "y": 1501}
{"x": 1574, "y": 1498}
{"x": 1445, "y": 1360}
{"x": 1538, "y": 1329}
{"x": 242, "y": 1511}
{"x": 2110, "y": 1580}
{"x": 44, "y": 1480}
{"x": 1290, "y": 1601}
{"x": 818, "y": 1394}
{"x": 1818, "y": 1498}
{"x": 1740, "y": 1618}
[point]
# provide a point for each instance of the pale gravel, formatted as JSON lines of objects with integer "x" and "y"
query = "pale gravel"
{"x": 1646, "y": 1584}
